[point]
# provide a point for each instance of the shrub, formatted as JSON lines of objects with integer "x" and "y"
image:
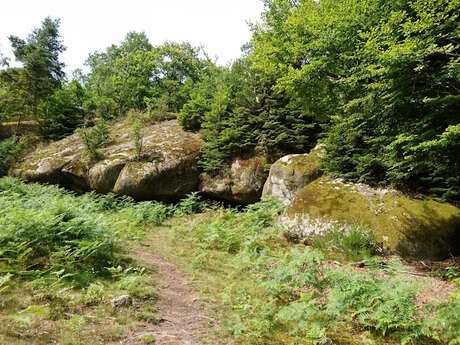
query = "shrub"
{"x": 10, "y": 149}
{"x": 192, "y": 114}
{"x": 94, "y": 294}
{"x": 95, "y": 138}
{"x": 64, "y": 110}
{"x": 68, "y": 238}
{"x": 137, "y": 138}
{"x": 190, "y": 205}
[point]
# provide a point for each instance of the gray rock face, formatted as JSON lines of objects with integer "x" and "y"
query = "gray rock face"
{"x": 121, "y": 301}
{"x": 166, "y": 170}
{"x": 241, "y": 183}
{"x": 290, "y": 173}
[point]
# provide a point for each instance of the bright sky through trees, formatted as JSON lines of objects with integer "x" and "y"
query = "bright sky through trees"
{"x": 89, "y": 25}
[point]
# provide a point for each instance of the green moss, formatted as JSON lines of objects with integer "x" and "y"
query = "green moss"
{"x": 305, "y": 164}
{"x": 413, "y": 227}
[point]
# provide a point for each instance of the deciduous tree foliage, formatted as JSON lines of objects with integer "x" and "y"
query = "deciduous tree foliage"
{"x": 135, "y": 74}
{"x": 378, "y": 81}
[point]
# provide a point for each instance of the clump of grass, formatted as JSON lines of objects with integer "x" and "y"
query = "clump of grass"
{"x": 148, "y": 339}
{"x": 354, "y": 242}
{"x": 94, "y": 294}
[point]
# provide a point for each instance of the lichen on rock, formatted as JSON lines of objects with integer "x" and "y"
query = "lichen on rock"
{"x": 242, "y": 182}
{"x": 167, "y": 170}
{"x": 291, "y": 173}
{"x": 316, "y": 203}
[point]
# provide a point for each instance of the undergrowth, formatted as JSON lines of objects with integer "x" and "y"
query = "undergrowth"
{"x": 63, "y": 258}
{"x": 338, "y": 288}
{"x": 10, "y": 149}
{"x": 334, "y": 289}
{"x": 46, "y": 231}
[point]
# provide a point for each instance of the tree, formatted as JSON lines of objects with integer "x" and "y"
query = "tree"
{"x": 136, "y": 75}
{"x": 39, "y": 54}
{"x": 381, "y": 77}
{"x": 64, "y": 110}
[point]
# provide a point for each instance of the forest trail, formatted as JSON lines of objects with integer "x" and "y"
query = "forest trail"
{"x": 181, "y": 319}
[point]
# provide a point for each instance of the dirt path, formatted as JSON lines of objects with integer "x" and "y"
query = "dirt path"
{"x": 182, "y": 320}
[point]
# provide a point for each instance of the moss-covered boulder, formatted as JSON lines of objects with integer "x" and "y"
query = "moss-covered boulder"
{"x": 420, "y": 228}
{"x": 241, "y": 183}
{"x": 167, "y": 168}
{"x": 291, "y": 173}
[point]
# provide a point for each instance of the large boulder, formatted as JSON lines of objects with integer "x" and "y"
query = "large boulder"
{"x": 316, "y": 203}
{"x": 167, "y": 169}
{"x": 420, "y": 228}
{"x": 241, "y": 183}
{"x": 291, "y": 173}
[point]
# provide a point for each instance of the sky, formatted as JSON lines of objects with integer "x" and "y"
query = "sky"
{"x": 90, "y": 25}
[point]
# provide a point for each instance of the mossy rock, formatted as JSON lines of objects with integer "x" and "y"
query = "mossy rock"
{"x": 241, "y": 183}
{"x": 290, "y": 173}
{"x": 418, "y": 228}
{"x": 167, "y": 168}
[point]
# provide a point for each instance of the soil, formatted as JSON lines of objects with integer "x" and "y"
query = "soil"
{"x": 181, "y": 319}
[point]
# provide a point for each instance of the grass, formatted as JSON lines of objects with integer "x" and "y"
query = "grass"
{"x": 339, "y": 288}
{"x": 63, "y": 258}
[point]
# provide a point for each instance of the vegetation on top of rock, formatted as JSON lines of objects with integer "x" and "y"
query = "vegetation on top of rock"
{"x": 105, "y": 158}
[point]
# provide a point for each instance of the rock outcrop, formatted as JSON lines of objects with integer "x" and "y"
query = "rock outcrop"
{"x": 421, "y": 228}
{"x": 241, "y": 183}
{"x": 167, "y": 169}
{"x": 291, "y": 173}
